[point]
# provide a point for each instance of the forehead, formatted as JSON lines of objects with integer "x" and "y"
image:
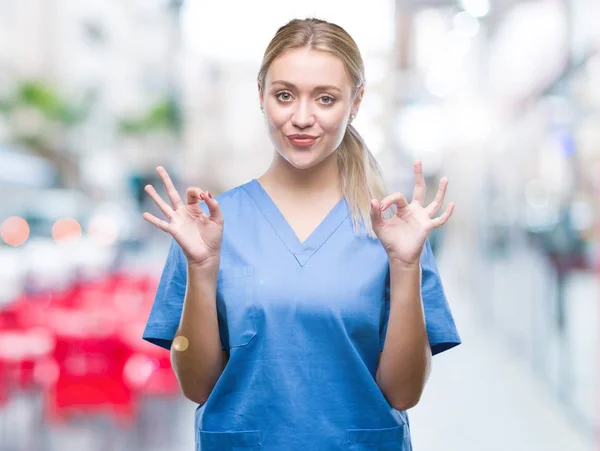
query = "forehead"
{"x": 306, "y": 68}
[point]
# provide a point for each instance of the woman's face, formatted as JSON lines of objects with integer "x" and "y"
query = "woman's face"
{"x": 307, "y": 99}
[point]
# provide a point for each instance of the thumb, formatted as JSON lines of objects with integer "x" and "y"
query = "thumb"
{"x": 376, "y": 215}
{"x": 193, "y": 195}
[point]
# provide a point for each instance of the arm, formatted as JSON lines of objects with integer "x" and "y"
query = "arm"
{"x": 405, "y": 363}
{"x": 197, "y": 359}
{"x": 200, "y": 365}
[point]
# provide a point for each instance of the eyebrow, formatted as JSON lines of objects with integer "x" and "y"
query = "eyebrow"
{"x": 317, "y": 88}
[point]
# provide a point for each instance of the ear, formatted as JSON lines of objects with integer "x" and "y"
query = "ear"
{"x": 358, "y": 99}
{"x": 261, "y": 95}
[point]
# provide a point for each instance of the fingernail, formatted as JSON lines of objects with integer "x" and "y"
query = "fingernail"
{"x": 209, "y": 195}
{"x": 381, "y": 207}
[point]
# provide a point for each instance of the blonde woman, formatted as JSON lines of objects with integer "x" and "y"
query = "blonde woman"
{"x": 277, "y": 296}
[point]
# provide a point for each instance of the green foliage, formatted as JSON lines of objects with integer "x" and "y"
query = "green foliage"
{"x": 30, "y": 141}
{"x": 163, "y": 116}
{"x": 44, "y": 98}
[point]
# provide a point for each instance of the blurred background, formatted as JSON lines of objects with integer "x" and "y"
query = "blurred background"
{"x": 500, "y": 96}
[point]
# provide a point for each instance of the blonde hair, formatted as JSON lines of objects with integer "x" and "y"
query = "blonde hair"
{"x": 360, "y": 174}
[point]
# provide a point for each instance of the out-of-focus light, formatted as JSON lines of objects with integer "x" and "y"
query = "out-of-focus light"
{"x": 519, "y": 65}
{"x": 582, "y": 215}
{"x": 138, "y": 369}
{"x": 46, "y": 372}
{"x": 445, "y": 72}
{"x": 103, "y": 231}
{"x": 470, "y": 123}
{"x": 440, "y": 84}
{"x": 476, "y": 8}
{"x": 421, "y": 129}
{"x": 466, "y": 24}
{"x": 566, "y": 143}
{"x": 539, "y": 219}
{"x": 430, "y": 37}
{"x": 41, "y": 342}
{"x": 66, "y": 229}
{"x": 14, "y": 231}
{"x": 557, "y": 108}
{"x": 457, "y": 45}
{"x": 537, "y": 193}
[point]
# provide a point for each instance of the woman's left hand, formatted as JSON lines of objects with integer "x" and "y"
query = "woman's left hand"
{"x": 404, "y": 235}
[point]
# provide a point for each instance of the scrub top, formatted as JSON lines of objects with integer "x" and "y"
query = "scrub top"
{"x": 303, "y": 323}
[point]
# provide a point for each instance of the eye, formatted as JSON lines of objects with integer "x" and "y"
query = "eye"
{"x": 283, "y": 93}
{"x": 328, "y": 100}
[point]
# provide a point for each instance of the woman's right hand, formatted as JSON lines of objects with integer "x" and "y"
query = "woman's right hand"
{"x": 198, "y": 235}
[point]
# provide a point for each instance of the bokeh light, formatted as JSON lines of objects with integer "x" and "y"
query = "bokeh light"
{"x": 66, "y": 229}
{"x": 14, "y": 231}
{"x": 103, "y": 231}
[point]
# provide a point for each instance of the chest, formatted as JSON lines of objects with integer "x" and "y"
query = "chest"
{"x": 303, "y": 220}
{"x": 264, "y": 293}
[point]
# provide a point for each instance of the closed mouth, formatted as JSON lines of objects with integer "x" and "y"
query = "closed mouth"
{"x": 299, "y": 140}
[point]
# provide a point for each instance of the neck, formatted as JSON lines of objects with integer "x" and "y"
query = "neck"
{"x": 322, "y": 180}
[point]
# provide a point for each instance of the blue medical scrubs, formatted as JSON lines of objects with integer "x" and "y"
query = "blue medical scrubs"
{"x": 304, "y": 323}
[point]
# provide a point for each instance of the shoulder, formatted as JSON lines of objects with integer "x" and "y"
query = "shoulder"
{"x": 233, "y": 200}
{"x": 231, "y": 196}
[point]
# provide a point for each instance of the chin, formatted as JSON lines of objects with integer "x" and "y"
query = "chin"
{"x": 302, "y": 163}
{"x": 303, "y": 159}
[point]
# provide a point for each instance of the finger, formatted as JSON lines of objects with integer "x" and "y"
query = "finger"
{"x": 420, "y": 188}
{"x": 395, "y": 198}
{"x": 213, "y": 208}
{"x": 441, "y": 220}
{"x": 164, "y": 207}
{"x": 376, "y": 213}
{"x": 194, "y": 195}
{"x": 169, "y": 187}
{"x": 162, "y": 225}
{"x": 434, "y": 206}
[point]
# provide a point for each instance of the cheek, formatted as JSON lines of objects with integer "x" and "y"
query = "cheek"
{"x": 334, "y": 126}
{"x": 276, "y": 119}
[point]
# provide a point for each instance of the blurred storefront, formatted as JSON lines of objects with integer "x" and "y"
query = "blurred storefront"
{"x": 505, "y": 101}
{"x": 502, "y": 97}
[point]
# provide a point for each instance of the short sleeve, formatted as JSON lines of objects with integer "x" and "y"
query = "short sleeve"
{"x": 168, "y": 301}
{"x": 441, "y": 328}
{"x": 165, "y": 314}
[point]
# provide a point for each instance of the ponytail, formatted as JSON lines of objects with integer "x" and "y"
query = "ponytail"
{"x": 361, "y": 177}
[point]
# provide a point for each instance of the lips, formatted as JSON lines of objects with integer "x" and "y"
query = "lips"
{"x": 302, "y": 140}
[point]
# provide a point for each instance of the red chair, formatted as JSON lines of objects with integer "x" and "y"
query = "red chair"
{"x": 91, "y": 360}
{"x": 96, "y": 360}
{"x": 20, "y": 352}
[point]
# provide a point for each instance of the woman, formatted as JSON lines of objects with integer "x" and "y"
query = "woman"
{"x": 277, "y": 296}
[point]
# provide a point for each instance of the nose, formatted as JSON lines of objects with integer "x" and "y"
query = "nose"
{"x": 303, "y": 116}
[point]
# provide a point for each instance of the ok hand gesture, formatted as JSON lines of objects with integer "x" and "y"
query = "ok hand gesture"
{"x": 404, "y": 235}
{"x": 198, "y": 235}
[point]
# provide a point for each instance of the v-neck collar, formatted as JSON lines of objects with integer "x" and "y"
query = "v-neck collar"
{"x": 302, "y": 250}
